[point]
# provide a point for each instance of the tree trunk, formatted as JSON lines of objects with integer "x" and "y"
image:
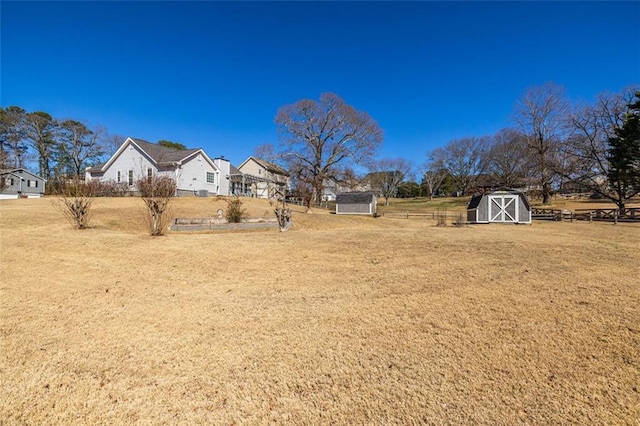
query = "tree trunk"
{"x": 546, "y": 193}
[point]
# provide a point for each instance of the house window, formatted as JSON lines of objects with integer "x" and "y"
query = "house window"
{"x": 211, "y": 177}
{"x": 130, "y": 178}
{"x": 149, "y": 174}
{"x": 118, "y": 176}
{"x": 32, "y": 183}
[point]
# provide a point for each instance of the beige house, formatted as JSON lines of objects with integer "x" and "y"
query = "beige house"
{"x": 263, "y": 179}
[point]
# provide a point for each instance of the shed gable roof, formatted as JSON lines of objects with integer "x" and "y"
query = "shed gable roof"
{"x": 475, "y": 200}
{"x": 355, "y": 197}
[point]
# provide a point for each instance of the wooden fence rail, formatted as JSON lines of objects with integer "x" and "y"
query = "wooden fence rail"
{"x": 421, "y": 215}
{"x": 608, "y": 215}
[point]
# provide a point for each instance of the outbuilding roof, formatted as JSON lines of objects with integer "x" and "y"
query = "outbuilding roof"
{"x": 365, "y": 197}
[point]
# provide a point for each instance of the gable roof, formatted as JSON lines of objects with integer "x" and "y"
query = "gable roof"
{"x": 161, "y": 155}
{"x": 271, "y": 167}
{"x": 20, "y": 169}
{"x": 475, "y": 200}
{"x": 233, "y": 171}
{"x": 355, "y": 197}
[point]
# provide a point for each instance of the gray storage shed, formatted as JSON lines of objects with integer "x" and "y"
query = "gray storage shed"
{"x": 503, "y": 205}
{"x": 356, "y": 203}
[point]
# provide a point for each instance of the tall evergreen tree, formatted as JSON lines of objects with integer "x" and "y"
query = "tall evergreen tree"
{"x": 13, "y": 148}
{"x": 624, "y": 156}
{"x": 40, "y": 129}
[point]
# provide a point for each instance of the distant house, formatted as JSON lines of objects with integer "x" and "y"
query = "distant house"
{"x": 263, "y": 179}
{"x": 194, "y": 171}
{"x": 16, "y": 183}
{"x": 331, "y": 189}
{"x": 503, "y": 205}
{"x": 356, "y": 203}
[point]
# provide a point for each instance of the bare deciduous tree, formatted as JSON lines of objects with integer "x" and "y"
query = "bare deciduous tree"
{"x": 79, "y": 147}
{"x": 113, "y": 142}
{"x": 318, "y": 139}
{"x": 507, "y": 158}
{"x": 541, "y": 115}
{"x": 465, "y": 159}
{"x": 387, "y": 174}
{"x": 587, "y": 146}
{"x": 436, "y": 171}
{"x": 157, "y": 193}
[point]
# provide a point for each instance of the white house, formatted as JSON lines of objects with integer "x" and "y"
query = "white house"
{"x": 263, "y": 178}
{"x": 195, "y": 173}
{"x": 16, "y": 183}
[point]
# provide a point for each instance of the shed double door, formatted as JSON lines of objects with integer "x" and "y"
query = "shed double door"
{"x": 503, "y": 208}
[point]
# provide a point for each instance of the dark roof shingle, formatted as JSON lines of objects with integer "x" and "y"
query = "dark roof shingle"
{"x": 163, "y": 154}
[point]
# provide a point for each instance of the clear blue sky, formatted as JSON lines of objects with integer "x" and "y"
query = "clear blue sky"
{"x": 213, "y": 74}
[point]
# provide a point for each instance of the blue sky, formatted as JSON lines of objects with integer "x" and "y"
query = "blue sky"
{"x": 213, "y": 74}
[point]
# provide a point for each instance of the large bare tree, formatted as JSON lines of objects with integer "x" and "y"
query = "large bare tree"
{"x": 387, "y": 174}
{"x": 465, "y": 159}
{"x": 79, "y": 147}
{"x": 507, "y": 158}
{"x": 591, "y": 128}
{"x": 541, "y": 115}
{"x": 319, "y": 139}
{"x": 436, "y": 172}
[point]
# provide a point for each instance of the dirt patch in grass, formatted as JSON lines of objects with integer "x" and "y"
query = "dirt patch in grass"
{"x": 342, "y": 320}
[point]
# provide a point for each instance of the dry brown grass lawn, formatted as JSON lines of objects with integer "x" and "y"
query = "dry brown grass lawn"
{"x": 342, "y": 320}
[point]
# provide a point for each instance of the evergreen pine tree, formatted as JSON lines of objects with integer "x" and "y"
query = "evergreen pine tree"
{"x": 624, "y": 156}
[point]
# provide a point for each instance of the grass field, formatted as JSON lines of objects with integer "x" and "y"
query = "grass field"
{"x": 342, "y": 320}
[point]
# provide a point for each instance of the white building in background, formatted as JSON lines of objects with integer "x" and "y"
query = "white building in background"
{"x": 195, "y": 173}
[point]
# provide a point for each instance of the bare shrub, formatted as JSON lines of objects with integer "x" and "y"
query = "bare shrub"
{"x": 75, "y": 200}
{"x": 283, "y": 214}
{"x": 108, "y": 188}
{"x": 157, "y": 192}
{"x": 441, "y": 217}
{"x": 235, "y": 213}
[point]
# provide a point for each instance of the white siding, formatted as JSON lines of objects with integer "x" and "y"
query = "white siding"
{"x": 193, "y": 176}
{"x": 129, "y": 159}
{"x": 225, "y": 175}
